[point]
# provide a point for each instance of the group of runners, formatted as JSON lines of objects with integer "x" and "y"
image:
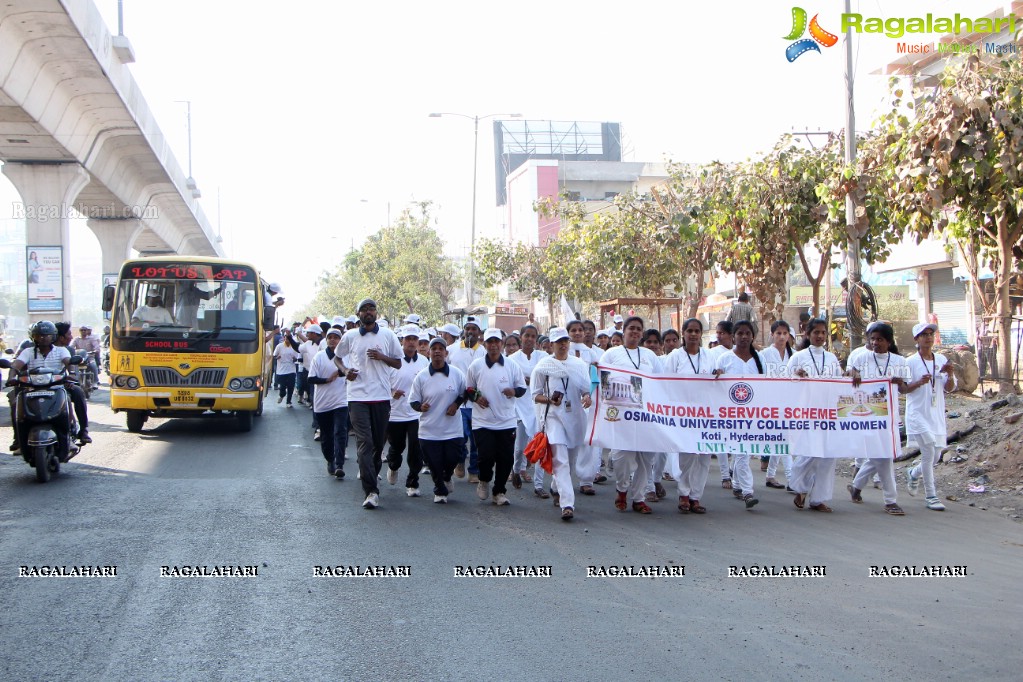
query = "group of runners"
{"x": 452, "y": 402}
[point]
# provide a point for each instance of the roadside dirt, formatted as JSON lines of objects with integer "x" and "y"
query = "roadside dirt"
{"x": 985, "y": 467}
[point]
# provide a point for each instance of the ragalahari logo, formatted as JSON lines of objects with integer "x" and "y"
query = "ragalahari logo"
{"x": 817, "y": 35}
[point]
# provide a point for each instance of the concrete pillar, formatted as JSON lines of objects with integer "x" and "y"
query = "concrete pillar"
{"x": 48, "y": 192}
{"x": 115, "y": 235}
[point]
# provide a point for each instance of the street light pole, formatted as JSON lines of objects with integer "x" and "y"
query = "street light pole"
{"x": 475, "y": 161}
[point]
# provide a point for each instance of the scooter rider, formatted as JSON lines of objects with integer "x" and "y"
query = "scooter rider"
{"x": 42, "y": 354}
{"x": 91, "y": 345}
{"x": 73, "y": 388}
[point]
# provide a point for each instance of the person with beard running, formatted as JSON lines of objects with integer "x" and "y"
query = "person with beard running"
{"x": 403, "y": 425}
{"x": 461, "y": 354}
{"x": 493, "y": 384}
{"x": 370, "y": 350}
{"x": 330, "y": 405}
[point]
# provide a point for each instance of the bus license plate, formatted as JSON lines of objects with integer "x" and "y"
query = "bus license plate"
{"x": 182, "y": 397}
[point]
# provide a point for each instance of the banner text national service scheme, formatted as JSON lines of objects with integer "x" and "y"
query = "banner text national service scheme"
{"x": 748, "y": 415}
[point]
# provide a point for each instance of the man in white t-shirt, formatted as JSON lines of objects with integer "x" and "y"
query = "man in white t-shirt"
{"x": 330, "y": 405}
{"x": 493, "y": 384}
{"x": 366, "y": 355}
{"x": 42, "y": 354}
{"x": 403, "y": 425}
{"x": 152, "y": 312}
{"x": 461, "y": 354}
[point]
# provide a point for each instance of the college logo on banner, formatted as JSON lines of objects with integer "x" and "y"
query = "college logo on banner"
{"x": 741, "y": 393}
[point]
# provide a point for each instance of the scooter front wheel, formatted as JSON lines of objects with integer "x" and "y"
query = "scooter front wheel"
{"x": 46, "y": 463}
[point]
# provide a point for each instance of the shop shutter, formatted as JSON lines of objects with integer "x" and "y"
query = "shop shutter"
{"x": 948, "y": 302}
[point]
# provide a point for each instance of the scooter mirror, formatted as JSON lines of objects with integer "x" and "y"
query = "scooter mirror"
{"x": 77, "y": 360}
{"x": 5, "y": 363}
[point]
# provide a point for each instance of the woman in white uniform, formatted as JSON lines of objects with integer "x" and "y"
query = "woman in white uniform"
{"x": 930, "y": 378}
{"x": 560, "y": 386}
{"x": 776, "y": 364}
{"x": 814, "y": 477}
{"x": 883, "y": 361}
{"x": 742, "y": 360}
{"x": 691, "y": 360}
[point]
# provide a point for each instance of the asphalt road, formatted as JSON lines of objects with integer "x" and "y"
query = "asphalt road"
{"x": 199, "y": 493}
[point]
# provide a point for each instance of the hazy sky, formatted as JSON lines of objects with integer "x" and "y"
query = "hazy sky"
{"x": 310, "y": 117}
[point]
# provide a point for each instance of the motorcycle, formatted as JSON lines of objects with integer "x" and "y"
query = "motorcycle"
{"x": 87, "y": 379}
{"x": 45, "y": 421}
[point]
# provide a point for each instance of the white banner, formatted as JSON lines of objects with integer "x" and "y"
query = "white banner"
{"x": 750, "y": 415}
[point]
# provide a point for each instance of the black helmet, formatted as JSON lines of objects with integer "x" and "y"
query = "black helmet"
{"x": 44, "y": 328}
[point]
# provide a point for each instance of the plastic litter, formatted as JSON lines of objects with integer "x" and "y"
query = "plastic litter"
{"x": 977, "y": 489}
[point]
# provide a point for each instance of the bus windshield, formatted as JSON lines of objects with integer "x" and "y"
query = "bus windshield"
{"x": 189, "y": 301}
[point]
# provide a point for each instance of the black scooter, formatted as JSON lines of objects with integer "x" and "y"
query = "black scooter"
{"x": 45, "y": 421}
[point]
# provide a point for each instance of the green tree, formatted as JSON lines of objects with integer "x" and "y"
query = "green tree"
{"x": 524, "y": 267}
{"x": 402, "y": 267}
{"x": 956, "y": 170}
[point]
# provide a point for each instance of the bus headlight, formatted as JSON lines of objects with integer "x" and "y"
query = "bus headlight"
{"x": 133, "y": 383}
{"x": 242, "y": 384}
{"x": 123, "y": 381}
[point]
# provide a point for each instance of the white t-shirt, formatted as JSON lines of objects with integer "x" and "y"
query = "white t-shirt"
{"x": 718, "y": 350}
{"x": 330, "y": 396}
{"x": 152, "y": 315}
{"x": 490, "y": 382}
{"x": 401, "y": 380}
{"x": 439, "y": 390}
{"x": 374, "y": 380}
{"x": 921, "y": 416}
{"x": 679, "y": 361}
{"x": 816, "y": 362}
{"x": 638, "y": 360}
{"x": 461, "y": 356}
{"x": 308, "y": 350}
{"x": 732, "y": 365}
{"x": 287, "y": 357}
{"x": 524, "y": 405}
{"x": 53, "y": 361}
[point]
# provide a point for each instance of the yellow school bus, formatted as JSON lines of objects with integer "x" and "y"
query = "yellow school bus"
{"x": 188, "y": 338}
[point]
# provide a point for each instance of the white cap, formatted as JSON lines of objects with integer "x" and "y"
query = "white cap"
{"x": 919, "y": 329}
{"x": 274, "y": 288}
{"x": 603, "y": 332}
{"x": 431, "y": 331}
{"x": 619, "y": 318}
{"x": 336, "y": 332}
{"x": 412, "y": 318}
{"x": 492, "y": 333}
{"x": 558, "y": 333}
{"x": 423, "y": 336}
{"x": 409, "y": 330}
{"x": 450, "y": 329}
{"x": 313, "y": 329}
{"x": 337, "y": 319}
{"x": 384, "y": 324}
{"x": 472, "y": 319}
{"x": 351, "y": 318}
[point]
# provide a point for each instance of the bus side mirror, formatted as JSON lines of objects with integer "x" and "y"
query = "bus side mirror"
{"x": 108, "y": 298}
{"x": 269, "y": 313}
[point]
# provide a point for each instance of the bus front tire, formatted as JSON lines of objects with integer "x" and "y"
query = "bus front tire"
{"x": 244, "y": 421}
{"x": 136, "y": 418}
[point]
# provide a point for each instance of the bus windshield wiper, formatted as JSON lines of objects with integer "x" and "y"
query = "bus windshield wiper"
{"x": 152, "y": 331}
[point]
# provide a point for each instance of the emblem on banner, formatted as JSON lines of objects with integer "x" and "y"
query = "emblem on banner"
{"x": 612, "y": 414}
{"x": 741, "y": 393}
